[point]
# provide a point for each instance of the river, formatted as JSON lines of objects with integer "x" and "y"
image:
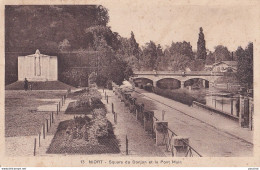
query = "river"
{"x": 225, "y": 102}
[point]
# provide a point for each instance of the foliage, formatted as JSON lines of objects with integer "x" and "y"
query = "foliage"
{"x": 128, "y": 72}
{"x": 183, "y": 48}
{"x": 210, "y": 59}
{"x": 176, "y": 57}
{"x": 197, "y": 65}
{"x": 221, "y": 53}
{"x": 92, "y": 78}
{"x": 245, "y": 66}
{"x": 76, "y": 77}
{"x": 178, "y": 95}
{"x": 201, "y": 46}
{"x": 150, "y": 56}
{"x": 46, "y": 33}
{"x": 134, "y": 46}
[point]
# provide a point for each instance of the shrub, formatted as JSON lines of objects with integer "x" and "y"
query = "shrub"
{"x": 109, "y": 84}
{"x": 178, "y": 95}
{"x": 87, "y": 100}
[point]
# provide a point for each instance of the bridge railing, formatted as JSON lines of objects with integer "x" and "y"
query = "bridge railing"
{"x": 136, "y": 73}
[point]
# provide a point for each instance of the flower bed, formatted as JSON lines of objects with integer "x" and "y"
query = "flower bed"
{"x": 85, "y": 135}
{"x": 87, "y": 100}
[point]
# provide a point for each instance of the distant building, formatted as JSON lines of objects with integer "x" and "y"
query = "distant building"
{"x": 222, "y": 66}
{"x": 38, "y": 67}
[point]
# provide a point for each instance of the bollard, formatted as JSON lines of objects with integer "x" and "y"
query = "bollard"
{"x": 148, "y": 121}
{"x": 47, "y": 125}
{"x": 43, "y": 130}
{"x": 126, "y": 143}
{"x": 112, "y": 107}
{"x": 222, "y": 103}
{"x": 163, "y": 113}
{"x": 141, "y": 114}
{"x": 180, "y": 146}
{"x": 50, "y": 120}
{"x": 52, "y": 117}
{"x": 231, "y": 107}
{"x": 34, "y": 149}
{"x": 107, "y": 99}
{"x": 57, "y": 109}
{"x": 161, "y": 130}
{"x": 39, "y": 139}
{"x": 115, "y": 118}
{"x": 136, "y": 113}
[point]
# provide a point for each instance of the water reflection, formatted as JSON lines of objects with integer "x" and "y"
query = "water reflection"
{"x": 225, "y": 102}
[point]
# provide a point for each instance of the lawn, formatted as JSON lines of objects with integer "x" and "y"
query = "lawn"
{"x": 21, "y": 118}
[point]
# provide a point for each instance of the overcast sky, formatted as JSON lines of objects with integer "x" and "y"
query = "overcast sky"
{"x": 163, "y": 23}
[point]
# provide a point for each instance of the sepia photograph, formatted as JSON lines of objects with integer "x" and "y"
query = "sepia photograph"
{"x": 129, "y": 79}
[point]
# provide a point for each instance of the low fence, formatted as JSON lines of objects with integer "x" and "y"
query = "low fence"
{"x": 211, "y": 109}
{"x": 227, "y": 86}
{"x": 178, "y": 145}
{"x": 48, "y": 123}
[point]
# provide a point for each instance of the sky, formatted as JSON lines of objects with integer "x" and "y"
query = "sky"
{"x": 229, "y": 25}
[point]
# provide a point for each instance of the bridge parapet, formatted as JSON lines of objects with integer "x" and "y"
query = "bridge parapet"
{"x": 178, "y": 73}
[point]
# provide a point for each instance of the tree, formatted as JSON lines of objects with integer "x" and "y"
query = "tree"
{"x": 183, "y": 48}
{"x": 181, "y": 55}
{"x": 201, "y": 46}
{"x": 134, "y": 46}
{"x": 179, "y": 62}
{"x": 222, "y": 53}
{"x": 150, "y": 56}
{"x": 245, "y": 66}
{"x": 210, "y": 59}
{"x": 64, "y": 45}
{"x": 92, "y": 78}
{"x": 128, "y": 72}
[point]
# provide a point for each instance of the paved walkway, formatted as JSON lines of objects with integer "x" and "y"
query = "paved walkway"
{"x": 210, "y": 134}
{"x": 140, "y": 142}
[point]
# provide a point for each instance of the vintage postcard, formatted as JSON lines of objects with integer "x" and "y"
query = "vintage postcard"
{"x": 129, "y": 83}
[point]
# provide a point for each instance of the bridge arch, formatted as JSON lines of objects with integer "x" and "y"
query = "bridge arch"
{"x": 168, "y": 83}
{"x": 142, "y": 81}
{"x": 197, "y": 82}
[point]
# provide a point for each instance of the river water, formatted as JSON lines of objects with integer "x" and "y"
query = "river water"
{"x": 223, "y": 101}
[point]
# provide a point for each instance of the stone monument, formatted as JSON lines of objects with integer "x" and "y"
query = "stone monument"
{"x": 37, "y": 67}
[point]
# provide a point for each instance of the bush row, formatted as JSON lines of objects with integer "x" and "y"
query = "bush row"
{"x": 178, "y": 95}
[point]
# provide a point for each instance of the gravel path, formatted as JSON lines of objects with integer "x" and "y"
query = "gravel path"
{"x": 140, "y": 142}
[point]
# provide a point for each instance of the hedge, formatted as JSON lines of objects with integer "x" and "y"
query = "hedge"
{"x": 178, "y": 95}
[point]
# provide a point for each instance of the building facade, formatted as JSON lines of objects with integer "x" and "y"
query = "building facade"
{"x": 223, "y": 66}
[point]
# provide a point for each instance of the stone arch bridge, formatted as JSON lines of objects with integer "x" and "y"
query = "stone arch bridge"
{"x": 182, "y": 77}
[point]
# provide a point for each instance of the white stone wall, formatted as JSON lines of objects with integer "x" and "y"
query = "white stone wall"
{"x": 53, "y": 71}
{"x": 27, "y": 67}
